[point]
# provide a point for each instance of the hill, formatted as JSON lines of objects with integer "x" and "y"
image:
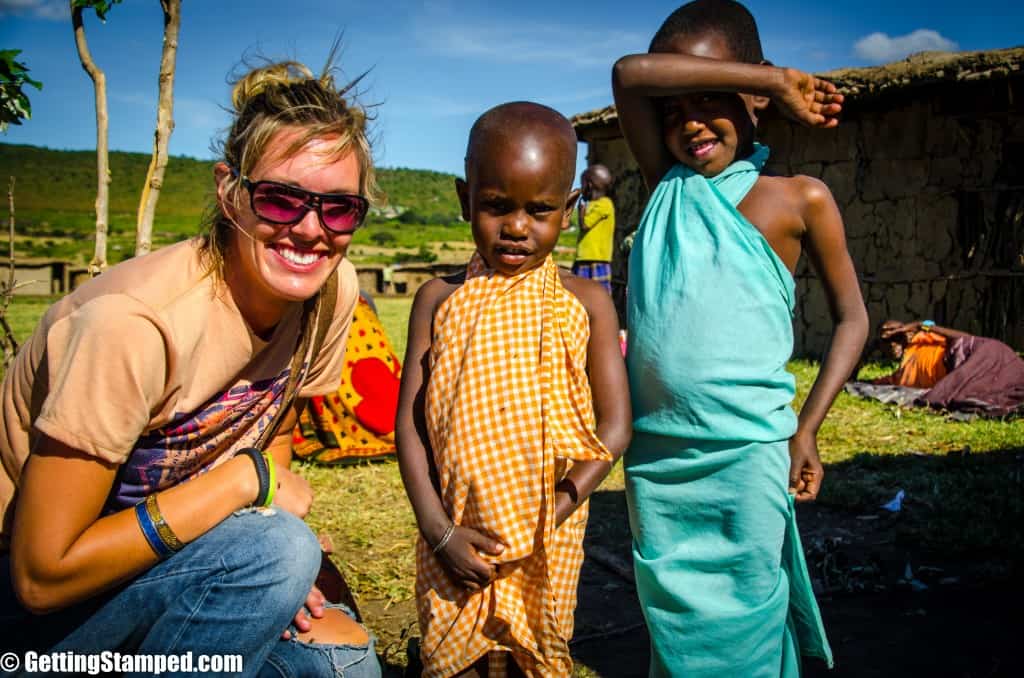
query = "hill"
{"x": 55, "y": 191}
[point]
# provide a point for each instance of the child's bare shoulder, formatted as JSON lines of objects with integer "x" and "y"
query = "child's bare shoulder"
{"x": 591, "y": 294}
{"x": 434, "y": 292}
{"x": 792, "y": 200}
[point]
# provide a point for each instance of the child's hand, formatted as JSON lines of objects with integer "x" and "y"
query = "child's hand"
{"x": 805, "y": 469}
{"x": 808, "y": 100}
{"x": 461, "y": 555}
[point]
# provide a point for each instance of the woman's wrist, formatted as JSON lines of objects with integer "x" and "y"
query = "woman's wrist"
{"x": 247, "y": 480}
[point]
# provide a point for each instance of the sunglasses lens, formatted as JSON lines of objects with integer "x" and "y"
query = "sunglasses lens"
{"x": 277, "y": 204}
{"x": 344, "y": 213}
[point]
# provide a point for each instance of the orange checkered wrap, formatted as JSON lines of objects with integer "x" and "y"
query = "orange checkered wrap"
{"x": 508, "y": 410}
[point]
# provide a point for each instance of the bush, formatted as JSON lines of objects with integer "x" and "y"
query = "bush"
{"x": 383, "y": 238}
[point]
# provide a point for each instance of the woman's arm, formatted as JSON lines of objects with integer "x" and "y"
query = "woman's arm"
{"x": 825, "y": 241}
{"x": 63, "y": 552}
{"x": 610, "y": 388}
{"x": 638, "y": 80}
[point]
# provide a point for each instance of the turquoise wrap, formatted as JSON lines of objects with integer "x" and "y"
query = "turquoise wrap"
{"x": 719, "y": 567}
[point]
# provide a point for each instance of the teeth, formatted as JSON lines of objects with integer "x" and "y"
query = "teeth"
{"x": 297, "y": 257}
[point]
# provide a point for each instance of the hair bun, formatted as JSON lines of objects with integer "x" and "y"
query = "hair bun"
{"x": 260, "y": 80}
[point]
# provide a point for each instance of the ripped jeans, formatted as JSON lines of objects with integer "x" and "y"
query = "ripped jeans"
{"x": 232, "y": 591}
{"x": 294, "y": 658}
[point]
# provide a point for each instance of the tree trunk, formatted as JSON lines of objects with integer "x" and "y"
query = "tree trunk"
{"x": 99, "y": 80}
{"x": 164, "y": 127}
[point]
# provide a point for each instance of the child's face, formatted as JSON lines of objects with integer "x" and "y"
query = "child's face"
{"x": 517, "y": 198}
{"x": 707, "y": 131}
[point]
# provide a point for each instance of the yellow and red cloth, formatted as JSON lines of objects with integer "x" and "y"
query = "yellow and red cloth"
{"x": 509, "y": 409}
{"x": 923, "y": 363}
{"x": 357, "y": 421}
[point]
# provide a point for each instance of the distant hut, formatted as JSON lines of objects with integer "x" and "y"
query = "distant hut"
{"x": 927, "y": 166}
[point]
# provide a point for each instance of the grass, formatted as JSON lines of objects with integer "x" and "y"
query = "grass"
{"x": 966, "y": 478}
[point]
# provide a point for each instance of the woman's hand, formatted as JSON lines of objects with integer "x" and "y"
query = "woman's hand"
{"x": 808, "y": 100}
{"x": 461, "y": 555}
{"x": 805, "y": 469}
{"x": 294, "y": 493}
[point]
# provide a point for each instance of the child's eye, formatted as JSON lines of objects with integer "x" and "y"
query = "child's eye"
{"x": 540, "y": 210}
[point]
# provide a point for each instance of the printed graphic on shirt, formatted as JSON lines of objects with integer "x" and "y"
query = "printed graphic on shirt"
{"x": 193, "y": 442}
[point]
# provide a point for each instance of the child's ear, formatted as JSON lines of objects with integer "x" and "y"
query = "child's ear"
{"x": 570, "y": 204}
{"x": 759, "y": 102}
{"x": 462, "y": 190}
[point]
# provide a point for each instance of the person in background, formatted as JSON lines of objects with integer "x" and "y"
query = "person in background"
{"x": 597, "y": 227}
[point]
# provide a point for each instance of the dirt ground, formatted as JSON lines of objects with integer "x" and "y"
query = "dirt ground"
{"x": 950, "y": 618}
{"x": 943, "y": 617}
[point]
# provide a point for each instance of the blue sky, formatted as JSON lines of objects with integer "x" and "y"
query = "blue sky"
{"x": 435, "y": 65}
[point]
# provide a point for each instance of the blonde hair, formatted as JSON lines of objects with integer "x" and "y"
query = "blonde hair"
{"x": 275, "y": 97}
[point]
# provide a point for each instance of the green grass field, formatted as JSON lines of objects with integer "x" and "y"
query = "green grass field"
{"x": 965, "y": 477}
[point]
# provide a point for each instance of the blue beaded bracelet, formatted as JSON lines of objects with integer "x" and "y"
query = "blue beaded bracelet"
{"x": 161, "y": 549}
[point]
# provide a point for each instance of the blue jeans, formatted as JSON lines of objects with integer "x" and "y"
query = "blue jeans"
{"x": 231, "y": 591}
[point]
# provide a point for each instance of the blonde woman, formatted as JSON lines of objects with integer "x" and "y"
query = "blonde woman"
{"x": 147, "y": 505}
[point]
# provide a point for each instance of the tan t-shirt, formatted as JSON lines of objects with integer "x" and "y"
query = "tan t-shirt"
{"x": 152, "y": 366}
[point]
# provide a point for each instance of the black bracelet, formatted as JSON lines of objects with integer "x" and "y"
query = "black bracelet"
{"x": 262, "y": 472}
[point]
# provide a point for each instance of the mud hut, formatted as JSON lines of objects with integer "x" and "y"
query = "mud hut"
{"x": 927, "y": 166}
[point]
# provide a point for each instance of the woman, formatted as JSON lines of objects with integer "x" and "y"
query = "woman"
{"x": 138, "y": 421}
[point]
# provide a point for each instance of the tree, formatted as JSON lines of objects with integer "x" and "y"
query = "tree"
{"x": 14, "y": 104}
{"x": 164, "y": 127}
{"x": 99, "y": 81}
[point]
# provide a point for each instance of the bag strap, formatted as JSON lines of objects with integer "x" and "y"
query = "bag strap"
{"x": 317, "y": 314}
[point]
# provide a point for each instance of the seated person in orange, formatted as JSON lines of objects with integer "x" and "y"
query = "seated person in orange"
{"x": 920, "y": 346}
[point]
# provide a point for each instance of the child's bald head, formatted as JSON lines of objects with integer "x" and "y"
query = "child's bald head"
{"x": 523, "y": 131}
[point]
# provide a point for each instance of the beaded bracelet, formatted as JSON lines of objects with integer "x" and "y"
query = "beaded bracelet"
{"x": 445, "y": 538}
{"x": 161, "y": 549}
{"x": 266, "y": 473}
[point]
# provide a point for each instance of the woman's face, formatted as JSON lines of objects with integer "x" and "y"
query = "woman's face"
{"x": 269, "y": 266}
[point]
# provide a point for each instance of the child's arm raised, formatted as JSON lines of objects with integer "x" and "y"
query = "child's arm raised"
{"x": 610, "y": 387}
{"x": 638, "y": 80}
{"x": 460, "y": 551}
{"x": 825, "y": 242}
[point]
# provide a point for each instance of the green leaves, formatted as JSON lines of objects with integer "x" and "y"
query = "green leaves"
{"x": 101, "y": 6}
{"x": 14, "y": 104}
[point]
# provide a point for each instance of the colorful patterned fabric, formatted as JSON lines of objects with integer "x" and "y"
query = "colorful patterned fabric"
{"x": 508, "y": 410}
{"x": 594, "y": 270}
{"x": 720, "y": 573}
{"x": 357, "y": 421}
{"x": 923, "y": 363}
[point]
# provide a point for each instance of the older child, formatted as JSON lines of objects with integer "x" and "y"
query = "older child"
{"x": 719, "y": 567}
{"x": 496, "y": 432}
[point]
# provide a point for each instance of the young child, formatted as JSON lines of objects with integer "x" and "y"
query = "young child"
{"x": 597, "y": 227}
{"x": 719, "y": 568}
{"x": 506, "y": 367}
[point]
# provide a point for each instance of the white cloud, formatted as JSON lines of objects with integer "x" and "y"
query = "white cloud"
{"x": 52, "y": 10}
{"x": 880, "y": 47}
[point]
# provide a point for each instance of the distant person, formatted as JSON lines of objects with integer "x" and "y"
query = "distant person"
{"x": 597, "y": 227}
{"x": 719, "y": 455}
{"x": 146, "y": 498}
{"x": 510, "y": 414}
{"x": 961, "y": 371}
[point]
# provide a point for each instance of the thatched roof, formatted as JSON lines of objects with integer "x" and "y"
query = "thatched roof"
{"x": 924, "y": 68}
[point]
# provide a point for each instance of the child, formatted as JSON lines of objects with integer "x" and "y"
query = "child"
{"x": 597, "y": 227}
{"x": 719, "y": 568}
{"x": 496, "y": 431}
